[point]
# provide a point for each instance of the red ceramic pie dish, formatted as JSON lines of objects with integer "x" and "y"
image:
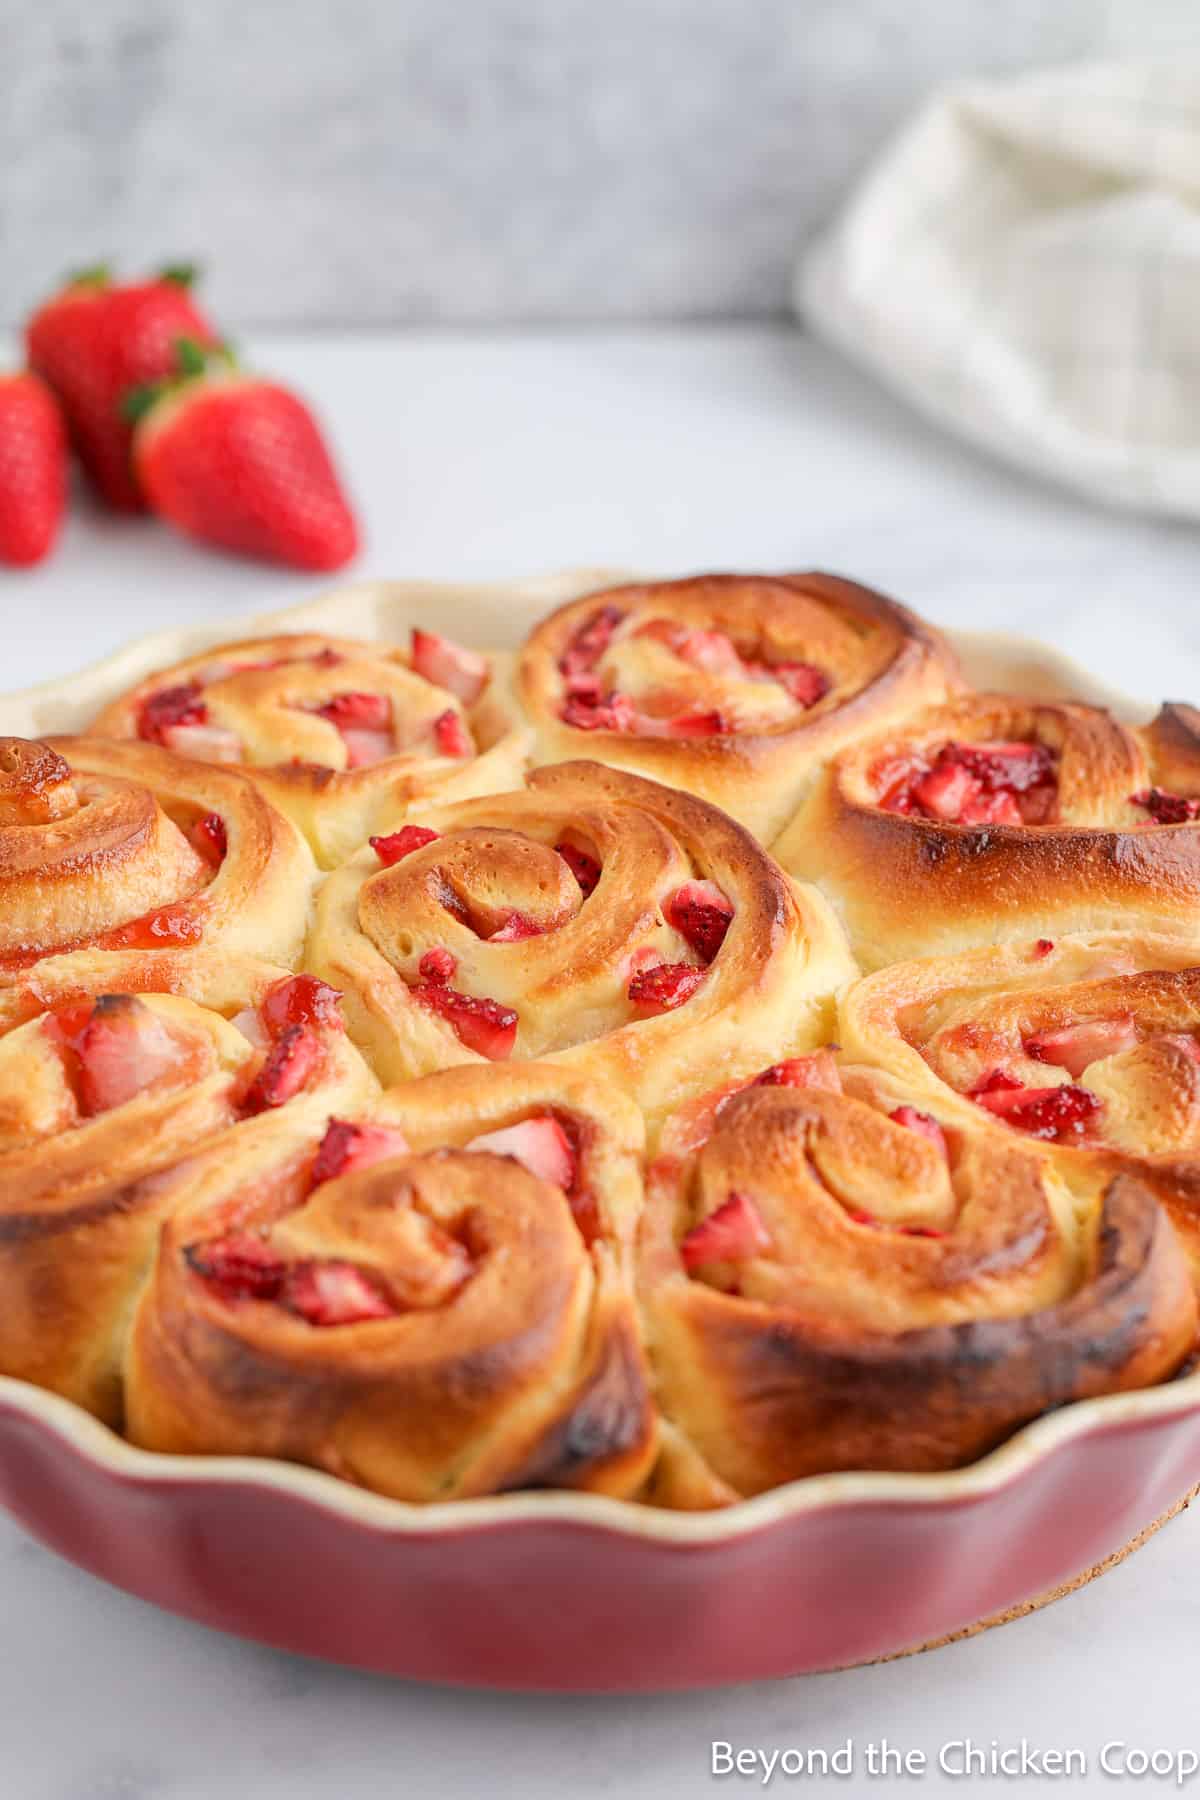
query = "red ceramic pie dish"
{"x": 570, "y": 1592}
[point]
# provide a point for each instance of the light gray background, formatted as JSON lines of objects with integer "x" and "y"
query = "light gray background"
{"x": 395, "y": 161}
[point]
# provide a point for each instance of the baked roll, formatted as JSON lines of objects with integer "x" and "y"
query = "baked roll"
{"x": 833, "y": 1278}
{"x": 116, "y": 1067}
{"x": 433, "y": 1299}
{"x": 1086, "y": 1047}
{"x": 340, "y": 734}
{"x": 594, "y": 919}
{"x": 1001, "y": 817}
{"x": 733, "y": 687}
{"x": 124, "y": 846}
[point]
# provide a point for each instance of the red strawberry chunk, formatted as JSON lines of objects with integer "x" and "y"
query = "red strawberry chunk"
{"x": 946, "y": 790}
{"x": 1076, "y": 1047}
{"x": 1015, "y": 767}
{"x": 1043, "y": 947}
{"x": 700, "y": 913}
{"x": 1166, "y": 808}
{"x": 301, "y": 1000}
{"x": 209, "y": 837}
{"x": 514, "y": 928}
{"x": 333, "y": 1293}
{"x": 402, "y": 843}
{"x": 713, "y": 651}
{"x": 913, "y": 1120}
{"x": 438, "y": 965}
{"x": 483, "y": 1025}
{"x": 617, "y": 713}
{"x": 583, "y": 867}
{"x": 118, "y": 1048}
{"x": 663, "y": 987}
{"x": 584, "y": 687}
{"x": 992, "y": 809}
{"x": 291, "y": 1061}
{"x": 448, "y": 665}
{"x": 451, "y": 735}
{"x": 733, "y": 1233}
{"x": 242, "y": 1266}
{"x": 590, "y": 641}
{"x": 203, "y": 743}
{"x": 366, "y": 748}
{"x": 540, "y": 1145}
{"x": 698, "y": 725}
{"x": 358, "y": 711}
{"x": 1054, "y": 1114}
{"x": 804, "y": 683}
{"x": 346, "y": 1147}
{"x": 180, "y": 705}
{"x": 973, "y": 784}
{"x": 816, "y": 1071}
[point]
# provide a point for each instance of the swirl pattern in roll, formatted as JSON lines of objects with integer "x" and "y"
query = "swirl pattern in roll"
{"x": 115, "y": 1068}
{"x": 432, "y": 1299}
{"x": 833, "y": 1278}
{"x": 733, "y": 687}
{"x": 340, "y": 734}
{"x": 592, "y": 918}
{"x": 1086, "y": 1047}
{"x": 124, "y": 846}
{"x": 999, "y": 816}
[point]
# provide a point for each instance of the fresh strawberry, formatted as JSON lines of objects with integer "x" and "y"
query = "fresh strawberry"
{"x": 438, "y": 966}
{"x": 334, "y": 1293}
{"x": 1166, "y": 808}
{"x": 1043, "y": 947}
{"x": 33, "y": 470}
{"x": 1076, "y": 1047}
{"x": 803, "y": 682}
{"x": 119, "y": 1048}
{"x": 91, "y": 343}
{"x": 816, "y": 1071}
{"x": 242, "y": 1266}
{"x": 583, "y": 867}
{"x": 301, "y": 1000}
{"x": 733, "y": 1233}
{"x": 209, "y": 837}
{"x": 700, "y": 913}
{"x": 290, "y": 1062}
{"x": 541, "y": 1145}
{"x": 922, "y": 1122}
{"x": 448, "y": 665}
{"x": 398, "y": 844}
{"x": 237, "y": 461}
{"x": 663, "y": 987}
{"x": 483, "y": 1025}
{"x": 451, "y": 735}
{"x": 346, "y": 1147}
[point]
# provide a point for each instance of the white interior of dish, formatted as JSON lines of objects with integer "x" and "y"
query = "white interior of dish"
{"x": 498, "y": 615}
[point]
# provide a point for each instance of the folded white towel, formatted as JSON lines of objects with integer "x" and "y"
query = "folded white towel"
{"x": 1023, "y": 264}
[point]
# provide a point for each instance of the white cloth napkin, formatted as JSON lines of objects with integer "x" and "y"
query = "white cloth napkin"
{"x": 1023, "y": 264}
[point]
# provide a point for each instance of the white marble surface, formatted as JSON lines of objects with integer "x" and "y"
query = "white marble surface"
{"x": 480, "y": 455}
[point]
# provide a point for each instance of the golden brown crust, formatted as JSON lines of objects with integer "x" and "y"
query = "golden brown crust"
{"x": 908, "y": 885}
{"x": 908, "y": 1308}
{"x": 767, "y": 991}
{"x": 524, "y": 1368}
{"x": 880, "y": 661}
{"x": 262, "y": 695}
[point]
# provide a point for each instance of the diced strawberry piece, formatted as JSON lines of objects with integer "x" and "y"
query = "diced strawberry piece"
{"x": 1166, "y": 808}
{"x": 483, "y": 1025}
{"x": 438, "y": 965}
{"x": 366, "y": 748}
{"x": 402, "y": 843}
{"x": 804, "y": 683}
{"x": 358, "y": 712}
{"x": 1043, "y": 947}
{"x": 583, "y": 867}
{"x": 992, "y": 809}
{"x": 179, "y": 705}
{"x": 346, "y": 1147}
{"x": 946, "y": 790}
{"x": 203, "y": 743}
{"x": 1076, "y": 1047}
{"x": 448, "y": 665}
{"x": 733, "y": 1233}
{"x": 991, "y": 1091}
{"x": 617, "y": 713}
{"x": 590, "y": 641}
{"x": 119, "y": 1046}
{"x": 333, "y": 1293}
{"x": 1054, "y": 1114}
{"x": 154, "y": 930}
{"x": 242, "y": 1266}
{"x": 700, "y": 913}
{"x": 816, "y": 1071}
{"x": 514, "y": 928}
{"x": 301, "y": 1000}
{"x": 541, "y": 1145}
{"x": 588, "y": 689}
{"x": 713, "y": 651}
{"x": 1015, "y": 767}
{"x": 698, "y": 725}
{"x": 291, "y": 1061}
{"x": 451, "y": 735}
{"x": 913, "y": 1120}
{"x": 663, "y": 987}
{"x": 209, "y": 837}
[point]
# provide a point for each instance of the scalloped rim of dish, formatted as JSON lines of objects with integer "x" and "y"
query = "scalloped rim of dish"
{"x": 1052, "y": 673}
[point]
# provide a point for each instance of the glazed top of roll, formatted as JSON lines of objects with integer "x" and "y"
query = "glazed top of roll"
{"x": 332, "y": 721}
{"x": 834, "y": 1277}
{"x": 731, "y": 686}
{"x": 125, "y": 846}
